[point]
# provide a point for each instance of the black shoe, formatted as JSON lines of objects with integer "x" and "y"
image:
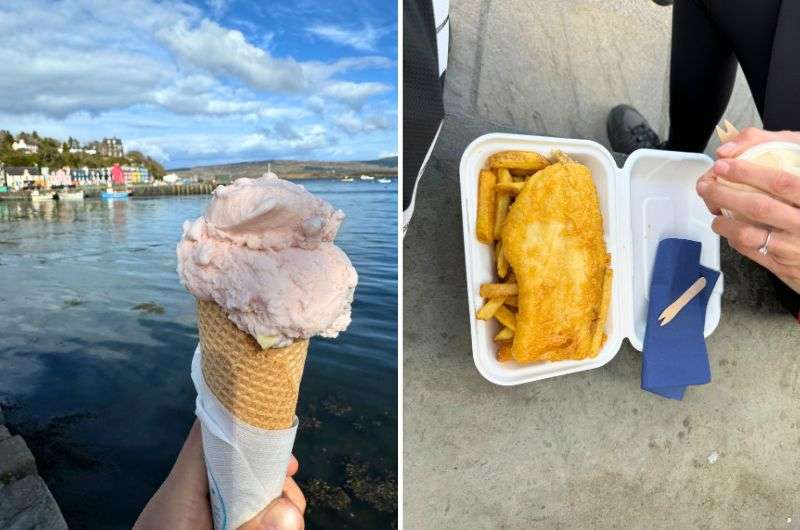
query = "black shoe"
{"x": 628, "y": 131}
{"x": 663, "y": 2}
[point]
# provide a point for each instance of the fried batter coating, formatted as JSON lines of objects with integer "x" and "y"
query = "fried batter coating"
{"x": 553, "y": 239}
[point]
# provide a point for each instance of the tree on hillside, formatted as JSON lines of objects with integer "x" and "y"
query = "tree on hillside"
{"x": 48, "y": 153}
{"x": 6, "y": 139}
{"x": 18, "y": 158}
{"x": 136, "y": 157}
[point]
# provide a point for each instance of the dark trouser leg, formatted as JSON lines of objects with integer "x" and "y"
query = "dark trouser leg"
{"x": 702, "y": 72}
{"x": 782, "y": 104}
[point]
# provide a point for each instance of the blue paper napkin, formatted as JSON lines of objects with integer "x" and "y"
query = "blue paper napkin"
{"x": 675, "y": 356}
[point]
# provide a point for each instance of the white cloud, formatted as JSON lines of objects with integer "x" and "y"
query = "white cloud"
{"x": 223, "y": 51}
{"x": 353, "y": 94}
{"x": 151, "y": 149}
{"x": 226, "y": 51}
{"x": 202, "y": 95}
{"x": 302, "y": 140}
{"x": 59, "y": 83}
{"x": 363, "y": 39}
{"x": 316, "y": 72}
{"x": 218, "y": 7}
{"x": 352, "y": 123}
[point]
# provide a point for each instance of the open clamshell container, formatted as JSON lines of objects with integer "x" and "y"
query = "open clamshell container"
{"x": 651, "y": 198}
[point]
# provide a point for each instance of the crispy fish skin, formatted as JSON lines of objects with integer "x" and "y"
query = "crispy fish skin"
{"x": 553, "y": 239}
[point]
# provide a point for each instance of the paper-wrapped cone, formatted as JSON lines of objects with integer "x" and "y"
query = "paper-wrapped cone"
{"x": 258, "y": 386}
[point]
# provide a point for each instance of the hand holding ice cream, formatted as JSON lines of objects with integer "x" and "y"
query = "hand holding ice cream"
{"x": 761, "y": 185}
{"x": 267, "y": 277}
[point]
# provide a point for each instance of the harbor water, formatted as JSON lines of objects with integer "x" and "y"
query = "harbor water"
{"x": 97, "y": 337}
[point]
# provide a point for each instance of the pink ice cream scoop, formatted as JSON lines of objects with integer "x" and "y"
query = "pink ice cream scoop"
{"x": 264, "y": 252}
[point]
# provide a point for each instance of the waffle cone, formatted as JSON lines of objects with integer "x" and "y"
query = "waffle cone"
{"x": 258, "y": 386}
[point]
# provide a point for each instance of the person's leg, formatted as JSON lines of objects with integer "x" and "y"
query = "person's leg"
{"x": 702, "y": 73}
{"x": 781, "y": 108}
{"x": 782, "y": 102}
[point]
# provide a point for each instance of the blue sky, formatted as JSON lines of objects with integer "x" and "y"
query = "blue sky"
{"x": 205, "y": 81}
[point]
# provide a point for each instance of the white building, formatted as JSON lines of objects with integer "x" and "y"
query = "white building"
{"x": 20, "y": 145}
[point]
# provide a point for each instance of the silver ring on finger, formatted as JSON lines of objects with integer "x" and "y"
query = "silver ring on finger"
{"x": 764, "y": 249}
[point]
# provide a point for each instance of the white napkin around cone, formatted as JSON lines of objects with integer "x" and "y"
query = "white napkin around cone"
{"x": 246, "y": 466}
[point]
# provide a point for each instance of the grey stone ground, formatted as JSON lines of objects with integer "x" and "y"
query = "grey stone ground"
{"x": 589, "y": 450}
{"x": 25, "y": 501}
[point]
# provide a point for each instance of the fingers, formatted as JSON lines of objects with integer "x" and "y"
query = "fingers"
{"x": 294, "y": 465}
{"x": 783, "y": 248}
{"x": 281, "y": 514}
{"x": 706, "y": 178}
{"x": 755, "y": 206}
{"x": 789, "y": 275}
{"x": 293, "y": 492}
{"x": 776, "y": 182}
{"x": 752, "y": 136}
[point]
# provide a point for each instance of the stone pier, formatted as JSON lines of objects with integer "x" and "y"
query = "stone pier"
{"x": 25, "y": 501}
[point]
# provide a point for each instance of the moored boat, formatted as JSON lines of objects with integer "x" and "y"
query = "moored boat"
{"x": 366, "y": 177}
{"x": 37, "y": 195}
{"x": 70, "y": 195}
{"x": 110, "y": 193}
{"x": 347, "y": 178}
{"x": 384, "y": 181}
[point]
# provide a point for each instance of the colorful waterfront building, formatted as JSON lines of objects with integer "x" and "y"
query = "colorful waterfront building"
{"x": 117, "y": 174}
{"x": 14, "y": 180}
{"x": 80, "y": 176}
{"x": 136, "y": 174}
{"x": 18, "y": 178}
{"x": 61, "y": 177}
{"x": 99, "y": 176}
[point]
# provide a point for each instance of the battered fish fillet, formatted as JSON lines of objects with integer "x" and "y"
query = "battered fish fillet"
{"x": 553, "y": 239}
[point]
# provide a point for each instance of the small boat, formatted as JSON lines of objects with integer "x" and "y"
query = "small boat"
{"x": 347, "y": 178}
{"x": 111, "y": 194}
{"x": 70, "y": 195}
{"x": 37, "y": 195}
{"x": 366, "y": 177}
{"x": 384, "y": 181}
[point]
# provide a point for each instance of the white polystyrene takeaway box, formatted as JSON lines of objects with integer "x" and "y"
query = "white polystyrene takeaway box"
{"x": 651, "y": 198}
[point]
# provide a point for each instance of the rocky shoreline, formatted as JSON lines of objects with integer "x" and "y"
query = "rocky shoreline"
{"x": 25, "y": 501}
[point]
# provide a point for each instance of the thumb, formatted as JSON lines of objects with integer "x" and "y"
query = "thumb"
{"x": 281, "y": 514}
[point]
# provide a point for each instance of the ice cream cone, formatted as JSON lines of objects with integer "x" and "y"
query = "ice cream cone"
{"x": 258, "y": 386}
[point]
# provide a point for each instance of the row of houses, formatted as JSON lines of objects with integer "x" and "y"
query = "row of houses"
{"x": 106, "y": 147}
{"x": 18, "y": 178}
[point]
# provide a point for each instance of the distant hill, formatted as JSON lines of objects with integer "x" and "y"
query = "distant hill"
{"x": 292, "y": 169}
{"x": 389, "y": 161}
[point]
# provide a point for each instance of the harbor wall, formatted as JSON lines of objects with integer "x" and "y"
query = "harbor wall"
{"x": 200, "y": 188}
{"x": 25, "y": 500}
